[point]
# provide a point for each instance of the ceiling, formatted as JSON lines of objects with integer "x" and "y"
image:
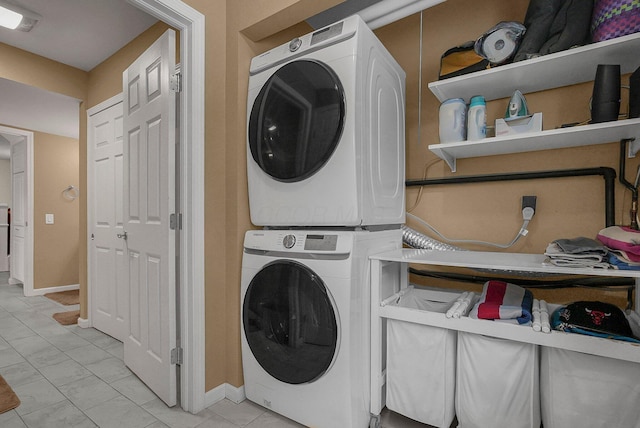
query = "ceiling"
{"x": 78, "y": 33}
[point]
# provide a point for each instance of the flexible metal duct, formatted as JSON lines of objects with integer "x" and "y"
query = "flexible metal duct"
{"x": 415, "y": 239}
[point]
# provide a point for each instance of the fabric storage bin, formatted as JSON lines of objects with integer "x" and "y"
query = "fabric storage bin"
{"x": 582, "y": 390}
{"x": 421, "y": 365}
{"x": 497, "y": 383}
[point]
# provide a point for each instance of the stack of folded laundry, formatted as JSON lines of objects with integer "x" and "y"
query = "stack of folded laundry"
{"x": 577, "y": 252}
{"x": 505, "y": 302}
{"x": 623, "y": 244}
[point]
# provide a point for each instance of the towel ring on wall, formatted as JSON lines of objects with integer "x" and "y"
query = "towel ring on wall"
{"x": 71, "y": 192}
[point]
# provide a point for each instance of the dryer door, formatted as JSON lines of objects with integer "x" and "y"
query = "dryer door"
{"x": 290, "y": 322}
{"x": 297, "y": 120}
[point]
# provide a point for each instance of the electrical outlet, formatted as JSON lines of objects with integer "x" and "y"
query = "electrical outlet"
{"x": 528, "y": 207}
{"x": 529, "y": 201}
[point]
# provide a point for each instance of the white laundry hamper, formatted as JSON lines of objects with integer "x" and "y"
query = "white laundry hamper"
{"x": 497, "y": 383}
{"x": 588, "y": 391}
{"x": 421, "y": 365}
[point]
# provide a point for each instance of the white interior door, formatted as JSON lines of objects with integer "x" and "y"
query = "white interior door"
{"x": 149, "y": 200}
{"x": 19, "y": 186}
{"x": 108, "y": 279}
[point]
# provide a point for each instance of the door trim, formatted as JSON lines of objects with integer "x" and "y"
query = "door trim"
{"x": 191, "y": 25}
{"x": 27, "y": 285}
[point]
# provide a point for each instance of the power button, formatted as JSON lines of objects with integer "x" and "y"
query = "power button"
{"x": 289, "y": 241}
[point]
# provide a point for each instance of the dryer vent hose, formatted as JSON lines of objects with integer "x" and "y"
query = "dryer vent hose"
{"x": 415, "y": 239}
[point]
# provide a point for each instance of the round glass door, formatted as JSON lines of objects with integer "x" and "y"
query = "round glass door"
{"x": 297, "y": 120}
{"x": 289, "y": 322}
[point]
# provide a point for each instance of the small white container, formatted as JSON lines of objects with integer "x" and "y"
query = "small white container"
{"x": 453, "y": 121}
{"x": 477, "y": 118}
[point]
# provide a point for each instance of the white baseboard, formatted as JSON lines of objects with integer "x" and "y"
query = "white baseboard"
{"x": 223, "y": 391}
{"x": 234, "y": 394}
{"x": 84, "y": 323}
{"x": 41, "y": 291}
{"x": 214, "y": 395}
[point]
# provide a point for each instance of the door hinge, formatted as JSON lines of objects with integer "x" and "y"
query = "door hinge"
{"x": 175, "y": 221}
{"x": 175, "y": 82}
{"x": 176, "y": 356}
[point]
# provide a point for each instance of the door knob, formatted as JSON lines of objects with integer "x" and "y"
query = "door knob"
{"x": 122, "y": 235}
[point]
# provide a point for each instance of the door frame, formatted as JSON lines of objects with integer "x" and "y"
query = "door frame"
{"x": 191, "y": 25}
{"x": 27, "y": 284}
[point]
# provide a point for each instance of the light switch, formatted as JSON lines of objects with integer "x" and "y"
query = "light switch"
{"x": 48, "y": 218}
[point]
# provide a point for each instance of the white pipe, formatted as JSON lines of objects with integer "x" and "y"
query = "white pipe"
{"x": 388, "y": 11}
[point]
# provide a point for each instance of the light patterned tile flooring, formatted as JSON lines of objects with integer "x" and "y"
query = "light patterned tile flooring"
{"x": 70, "y": 377}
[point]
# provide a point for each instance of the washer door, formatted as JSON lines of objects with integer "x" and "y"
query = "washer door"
{"x": 289, "y": 322}
{"x": 297, "y": 120}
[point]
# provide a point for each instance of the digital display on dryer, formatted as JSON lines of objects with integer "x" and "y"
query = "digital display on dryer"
{"x": 326, "y": 33}
{"x": 321, "y": 242}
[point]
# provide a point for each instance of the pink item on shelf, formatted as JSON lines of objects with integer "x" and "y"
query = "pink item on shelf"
{"x": 623, "y": 239}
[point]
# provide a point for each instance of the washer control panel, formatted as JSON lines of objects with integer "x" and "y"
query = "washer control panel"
{"x": 293, "y": 241}
{"x": 321, "y": 242}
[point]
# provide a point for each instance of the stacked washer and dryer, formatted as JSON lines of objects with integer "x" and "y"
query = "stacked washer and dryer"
{"x": 325, "y": 165}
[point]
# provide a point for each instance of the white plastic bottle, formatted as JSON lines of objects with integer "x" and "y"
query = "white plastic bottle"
{"x": 477, "y": 118}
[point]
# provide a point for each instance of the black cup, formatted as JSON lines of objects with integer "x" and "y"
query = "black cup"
{"x": 605, "y": 102}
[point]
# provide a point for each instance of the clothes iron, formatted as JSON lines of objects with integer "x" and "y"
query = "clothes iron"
{"x": 517, "y": 107}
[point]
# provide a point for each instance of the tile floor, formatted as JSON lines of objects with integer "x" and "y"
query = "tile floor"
{"x": 70, "y": 377}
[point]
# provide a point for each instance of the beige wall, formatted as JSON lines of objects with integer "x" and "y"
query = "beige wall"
{"x": 56, "y": 246}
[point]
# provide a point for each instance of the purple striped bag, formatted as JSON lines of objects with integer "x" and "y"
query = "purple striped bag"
{"x": 614, "y": 18}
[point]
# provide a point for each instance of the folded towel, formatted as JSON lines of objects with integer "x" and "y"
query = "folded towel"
{"x": 557, "y": 256}
{"x": 503, "y": 301}
{"x": 618, "y": 261}
{"x": 622, "y": 238}
{"x": 581, "y": 245}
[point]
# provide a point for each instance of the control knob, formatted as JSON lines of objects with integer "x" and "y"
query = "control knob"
{"x": 289, "y": 241}
{"x": 295, "y": 44}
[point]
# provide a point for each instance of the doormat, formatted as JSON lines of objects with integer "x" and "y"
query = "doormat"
{"x": 69, "y": 297}
{"x": 67, "y": 318}
{"x": 8, "y": 399}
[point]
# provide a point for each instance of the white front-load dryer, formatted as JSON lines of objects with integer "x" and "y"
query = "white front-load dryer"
{"x": 305, "y": 323}
{"x": 326, "y": 131}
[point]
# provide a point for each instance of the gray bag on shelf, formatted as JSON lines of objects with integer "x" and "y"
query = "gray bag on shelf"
{"x": 554, "y": 26}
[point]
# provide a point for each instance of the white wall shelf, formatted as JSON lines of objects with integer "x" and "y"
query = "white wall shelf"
{"x": 576, "y": 136}
{"x": 517, "y": 262}
{"x": 555, "y": 70}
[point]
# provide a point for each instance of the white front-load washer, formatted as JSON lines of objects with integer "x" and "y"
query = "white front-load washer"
{"x": 326, "y": 131}
{"x": 305, "y": 301}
